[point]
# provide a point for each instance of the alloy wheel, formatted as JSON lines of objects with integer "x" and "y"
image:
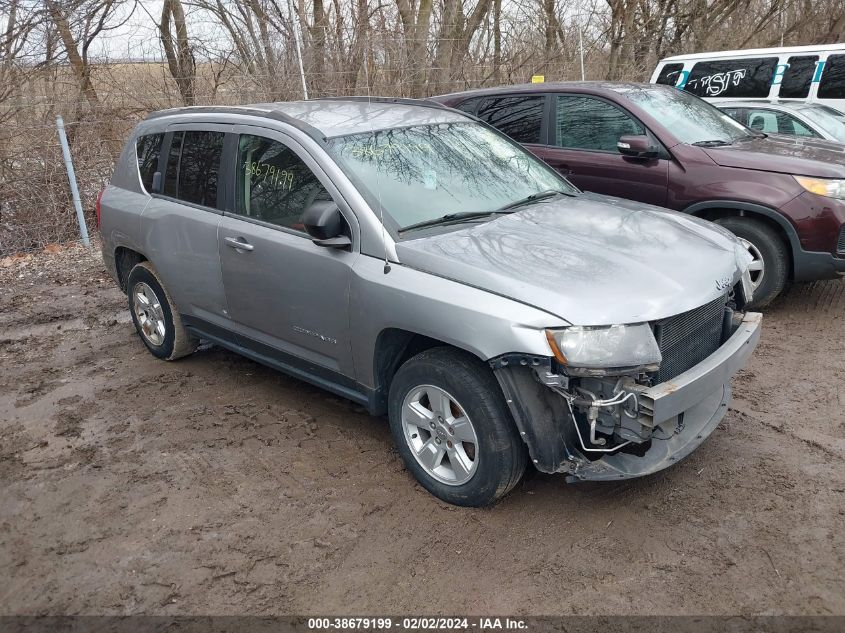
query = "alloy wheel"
{"x": 440, "y": 435}
{"x": 149, "y": 314}
{"x": 756, "y": 268}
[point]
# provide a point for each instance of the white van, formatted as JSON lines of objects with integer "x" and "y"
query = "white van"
{"x": 805, "y": 73}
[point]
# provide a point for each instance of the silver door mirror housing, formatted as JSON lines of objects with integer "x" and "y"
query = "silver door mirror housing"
{"x": 325, "y": 224}
{"x": 636, "y": 146}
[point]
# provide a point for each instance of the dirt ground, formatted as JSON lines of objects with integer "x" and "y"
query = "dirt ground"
{"x": 213, "y": 485}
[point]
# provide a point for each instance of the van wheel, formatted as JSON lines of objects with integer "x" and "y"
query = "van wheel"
{"x": 453, "y": 428}
{"x": 155, "y": 317}
{"x": 769, "y": 269}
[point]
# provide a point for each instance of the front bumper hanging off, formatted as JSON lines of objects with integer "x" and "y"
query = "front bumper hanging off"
{"x": 690, "y": 406}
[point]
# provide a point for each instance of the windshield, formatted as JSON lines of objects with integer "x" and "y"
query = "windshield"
{"x": 426, "y": 172}
{"x": 830, "y": 120}
{"x": 690, "y": 119}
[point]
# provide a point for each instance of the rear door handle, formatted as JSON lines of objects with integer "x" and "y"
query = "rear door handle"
{"x": 238, "y": 243}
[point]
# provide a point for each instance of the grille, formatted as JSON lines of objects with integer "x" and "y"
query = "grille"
{"x": 840, "y": 245}
{"x": 687, "y": 339}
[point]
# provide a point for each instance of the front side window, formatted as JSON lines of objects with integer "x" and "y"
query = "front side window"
{"x": 518, "y": 117}
{"x": 669, "y": 74}
{"x": 732, "y": 77}
{"x": 193, "y": 166}
{"x": 828, "y": 119}
{"x": 690, "y": 119}
{"x": 772, "y": 122}
{"x": 798, "y": 77}
{"x": 424, "y": 172}
{"x": 273, "y": 184}
{"x": 832, "y": 84}
{"x": 147, "y": 150}
{"x": 593, "y": 124}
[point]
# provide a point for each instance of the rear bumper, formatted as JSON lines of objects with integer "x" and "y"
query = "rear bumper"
{"x": 687, "y": 408}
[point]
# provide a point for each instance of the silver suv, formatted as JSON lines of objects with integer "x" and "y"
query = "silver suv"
{"x": 414, "y": 260}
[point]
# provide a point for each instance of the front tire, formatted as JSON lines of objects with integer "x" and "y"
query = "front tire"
{"x": 155, "y": 316}
{"x": 451, "y": 424}
{"x": 770, "y": 268}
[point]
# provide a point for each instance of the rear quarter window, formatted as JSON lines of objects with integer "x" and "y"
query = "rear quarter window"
{"x": 832, "y": 84}
{"x": 732, "y": 77}
{"x": 147, "y": 150}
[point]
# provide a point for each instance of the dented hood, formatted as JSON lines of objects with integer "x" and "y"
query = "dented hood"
{"x": 591, "y": 259}
{"x": 785, "y": 155}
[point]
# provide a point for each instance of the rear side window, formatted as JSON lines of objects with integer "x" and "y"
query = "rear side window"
{"x": 519, "y": 117}
{"x": 732, "y": 77}
{"x": 798, "y": 77}
{"x": 668, "y": 75}
{"x": 147, "y": 149}
{"x": 193, "y": 167}
{"x": 273, "y": 184}
{"x": 592, "y": 124}
{"x": 469, "y": 105}
{"x": 832, "y": 85}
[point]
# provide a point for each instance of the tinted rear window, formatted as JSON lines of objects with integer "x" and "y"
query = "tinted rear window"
{"x": 147, "y": 149}
{"x": 798, "y": 77}
{"x": 193, "y": 166}
{"x": 518, "y": 117}
{"x": 732, "y": 77}
{"x": 668, "y": 75}
{"x": 832, "y": 85}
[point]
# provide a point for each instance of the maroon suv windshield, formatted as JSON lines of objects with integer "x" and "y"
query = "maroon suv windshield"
{"x": 690, "y": 119}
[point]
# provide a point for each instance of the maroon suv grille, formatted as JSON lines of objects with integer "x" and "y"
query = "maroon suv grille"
{"x": 687, "y": 339}
{"x": 840, "y": 245}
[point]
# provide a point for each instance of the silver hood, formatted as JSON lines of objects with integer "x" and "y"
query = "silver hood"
{"x": 591, "y": 259}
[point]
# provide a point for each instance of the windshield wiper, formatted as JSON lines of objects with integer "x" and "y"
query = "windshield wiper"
{"x": 450, "y": 218}
{"x": 712, "y": 143}
{"x": 534, "y": 197}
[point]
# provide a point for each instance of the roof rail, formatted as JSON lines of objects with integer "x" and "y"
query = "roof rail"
{"x": 276, "y": 115}
{"x": 397, "y": 100}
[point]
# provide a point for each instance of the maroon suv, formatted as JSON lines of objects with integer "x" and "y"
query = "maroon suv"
{"x": 656, "y": 144}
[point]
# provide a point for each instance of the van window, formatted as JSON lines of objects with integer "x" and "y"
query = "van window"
{"x": 518, "y": 117}
{"x": 668, "y": 75}
{"x": 798, "y": 77}
{"x": 732, "y": 77}
{"x": 832, "y": 85}
{"x": 273, "y": 184}
{"x": 592, "y": 124}
{"x": 193, "y": 167}
{"x": 147, "y": 149}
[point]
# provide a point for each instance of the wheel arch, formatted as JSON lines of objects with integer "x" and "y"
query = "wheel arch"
{"x": 717, "y": 209}
{"x": 125, "y": 259}
{"x": 393, "y": 347}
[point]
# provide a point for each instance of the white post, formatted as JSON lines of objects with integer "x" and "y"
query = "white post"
{"x": 297, "y": 36}
{"x": 581, "y": 48}
{"x": 71, "y": 176}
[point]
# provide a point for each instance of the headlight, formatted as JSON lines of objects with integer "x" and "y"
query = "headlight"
{"x": 614, "y": 349}
{"x": 830, "y": 187}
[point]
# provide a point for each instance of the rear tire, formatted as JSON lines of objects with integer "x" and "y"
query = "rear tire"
{"x": 155, "y": 316}
{"x": 765, "y": 245}
{"x": 451, "y": 424}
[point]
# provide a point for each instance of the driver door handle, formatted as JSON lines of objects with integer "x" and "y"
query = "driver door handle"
{"x": 238, "y": 243}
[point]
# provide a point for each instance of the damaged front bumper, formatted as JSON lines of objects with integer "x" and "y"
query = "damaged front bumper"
{"x": 677, "y": 415}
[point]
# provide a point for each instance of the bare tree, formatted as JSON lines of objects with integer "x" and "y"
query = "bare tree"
{"x": 177, "y": 48}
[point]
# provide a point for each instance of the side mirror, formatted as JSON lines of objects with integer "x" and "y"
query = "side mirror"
{"x": 638, "y": 146}
{"x": 324, "y": 223}
{"x": 156, "y": 187}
